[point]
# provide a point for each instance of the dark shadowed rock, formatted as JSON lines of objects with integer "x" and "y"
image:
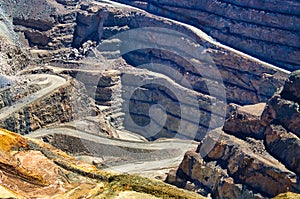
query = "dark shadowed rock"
{"x": 249, "y": 163}
{"x": 267, "y": 164}
{"x": 284, "y": 145}
{"x": 283, "y": 107}
{"x": 291, "y": 87}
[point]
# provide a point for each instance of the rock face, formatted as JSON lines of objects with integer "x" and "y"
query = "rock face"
{"x": 246, "y": 79}
{"x": 38, "y": 114}
{"x": 282, "y": 137}
{"x": 47, "y": 24}
{"x": 241, "y": 87}
{"x": 166, "y": 79}
{"x": 254, "y": 156}
{"x": 13, "y": 58}
{"x": 68, "y": 24}
{"x": 269, "y": 30}
{"x": 245, "y": 121}
{"x": 30, "y": 168}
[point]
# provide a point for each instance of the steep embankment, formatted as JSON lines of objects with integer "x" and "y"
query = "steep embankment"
{"x": 47, "y": 24}
{"x": 55, "y": 100}
{"x": 13, "y": 57}
{"x": 246, "y": 79}
{"x": 268, "y": 30}
{"x": 255, "y": 155}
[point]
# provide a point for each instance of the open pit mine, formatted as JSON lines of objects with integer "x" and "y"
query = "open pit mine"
{"x": 149, "y": 99}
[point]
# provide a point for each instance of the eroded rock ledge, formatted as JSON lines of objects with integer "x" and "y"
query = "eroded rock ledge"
{"x": 268, "y": 30}
{"x": 81, "y": 24}
{"x": 256, "y": 155}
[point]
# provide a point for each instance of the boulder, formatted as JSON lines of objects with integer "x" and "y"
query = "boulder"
{"x": 283, "y": 107}
{"x": 291, "y": 88}
{"x": 244, "y": 121}
{"x": 284, "y": 145}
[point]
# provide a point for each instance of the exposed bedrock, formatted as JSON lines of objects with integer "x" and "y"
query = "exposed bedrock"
{"x": 246, "y": 79}
{"x": 282, "y": 112}
{"x": 168, "y": 106}
{"x": 61, "y": 105}
{"x": 235, "y": 168}
{"x": 12, "y": 57}
{"x": 266, "y": 30}
{"x": 89, "y": 25}
{"x": 131, "y": 95}
{"x": 285, "y": 146}
{"x": 255, "y": 155}
{"x": 44, "y": 24}
{"x": 244, "y": 121}
{"x": 283, "y": 107}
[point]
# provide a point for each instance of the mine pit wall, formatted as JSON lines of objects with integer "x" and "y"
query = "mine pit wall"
{"x": 248, "y": 162}
{"x": 44, "y": 24}
{"x": 64, "y": 104}
{"x": 89, "y": 26}
{"x": 194, "y": 112}
{"x": 99, "y": 85}
{"x": 269, "y": 31}
{"x": 129, "y": 105}
{"x": 242, "y": 87}
{"x": 247, "y": 80}
{"x": 10, "y": 95}
{"x": 12, "y": 57}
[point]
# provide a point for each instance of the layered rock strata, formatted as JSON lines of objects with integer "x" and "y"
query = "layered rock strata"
{"x": 23, "y": 114}
{"x": 256, "y": 155}
{"x": 246, "y": 79}
{"x": 268, "y": 30}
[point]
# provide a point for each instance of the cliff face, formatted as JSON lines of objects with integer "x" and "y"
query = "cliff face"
{"x": 255, "y": 155}
{"x": 65, "y": 103}
{"x": 246, "y": 80}
{"x": 47, "y": 24}
{"x": 268, "y": 30}
{"x": 13, "y": 57}
{"x": 64, "y": 25}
